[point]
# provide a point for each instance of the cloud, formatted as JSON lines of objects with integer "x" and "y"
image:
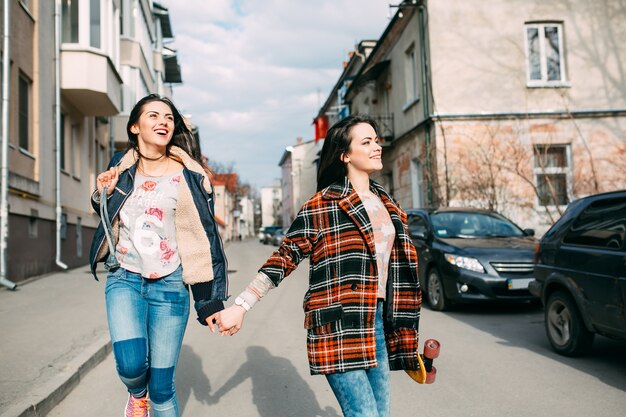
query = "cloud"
{"x": 256, "y": 72}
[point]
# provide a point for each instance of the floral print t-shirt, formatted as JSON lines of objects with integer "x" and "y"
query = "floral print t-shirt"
{"x": 147, "y": 242}
{"x": 384, "y": 235}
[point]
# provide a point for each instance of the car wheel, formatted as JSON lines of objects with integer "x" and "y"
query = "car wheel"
{"x": 434, "y": 291}
{"x": 564, "y": 326}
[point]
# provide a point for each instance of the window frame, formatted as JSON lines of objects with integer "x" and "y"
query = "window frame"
{"x": 590, "y": 217}
{"x": 544, "y": 82}
{"x": 418, "y": 216}
{"x": 411, "y": 78}
{"x": 95, "y": 24}
{"x": 63, "y": 140}
{"x": 544, "y": 170}
{"x": 24, "y": 114}
{"x": 70, "y": 16}
{"x": 26, "y": 4}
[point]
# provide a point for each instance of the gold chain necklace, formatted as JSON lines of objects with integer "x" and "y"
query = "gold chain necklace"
{"x": 145, "y": 174}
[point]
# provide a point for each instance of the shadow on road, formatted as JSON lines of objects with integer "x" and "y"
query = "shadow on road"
{"x": 277, "y": 388}
{"x": 522, "y": 325}
{"x": 190, "y": 365}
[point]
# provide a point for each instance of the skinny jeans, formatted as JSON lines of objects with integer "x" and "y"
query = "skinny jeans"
{"x": 366, "y": 392}
{"x": 147, "y": 320}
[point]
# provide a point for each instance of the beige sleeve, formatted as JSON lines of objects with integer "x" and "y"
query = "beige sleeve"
{"x": 257, "y": 289}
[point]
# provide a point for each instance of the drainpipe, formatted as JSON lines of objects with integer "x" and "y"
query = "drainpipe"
{"x": 57, "y": 136}
{"x": 4, "y": 186}
{"x": 425, "y": 94}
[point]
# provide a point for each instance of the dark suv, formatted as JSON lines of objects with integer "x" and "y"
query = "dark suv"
{"x": 580, "y": 273}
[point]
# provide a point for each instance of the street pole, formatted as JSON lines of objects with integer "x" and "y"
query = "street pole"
{"x": 4, "y": 186}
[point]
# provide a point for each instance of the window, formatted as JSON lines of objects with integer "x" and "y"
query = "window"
{"x": 95, "y": 24}
{"x": 601, "y": 225}
{"x": 411, "y": 77}
{"x": 33, "y": 225}
{"x": 551, "y": 173}
{"x": 100, "y": 158}
{"x": 62, "y": 144}
{"x": 69, "y": 21}
{"x": 544, "y": 54}
{"x": 74, "y": 151}
{"x": 417, "y": 225}
{"x": 24, "y": 112}
{"x": 127, "y": 17}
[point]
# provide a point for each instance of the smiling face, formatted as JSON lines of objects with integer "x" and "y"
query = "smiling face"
{"x": 364, "y": 154}
{"x": 155, "y": 127}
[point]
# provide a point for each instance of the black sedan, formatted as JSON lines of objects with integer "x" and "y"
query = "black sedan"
{"x": 468, "y": 255}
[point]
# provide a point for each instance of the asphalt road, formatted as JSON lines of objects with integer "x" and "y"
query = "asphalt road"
{"x": 495, "y": 361}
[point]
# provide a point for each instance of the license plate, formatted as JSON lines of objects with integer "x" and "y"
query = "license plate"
{"x": 518, "y": 284}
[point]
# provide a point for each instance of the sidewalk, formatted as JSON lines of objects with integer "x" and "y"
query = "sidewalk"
{"x": 53, "y": 331}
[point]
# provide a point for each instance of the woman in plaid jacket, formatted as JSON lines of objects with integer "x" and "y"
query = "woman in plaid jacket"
{"x": 362, "y": 307}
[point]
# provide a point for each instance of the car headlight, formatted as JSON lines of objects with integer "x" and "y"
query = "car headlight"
{"x": 465, "y": 262}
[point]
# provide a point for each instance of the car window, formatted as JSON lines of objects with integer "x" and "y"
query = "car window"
{"x": 601, "y": 225}
{"x": 417, "y": 224}
{"x": 473, "y": 224}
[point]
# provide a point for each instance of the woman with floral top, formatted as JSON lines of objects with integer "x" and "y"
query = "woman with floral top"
{"x": 362, "y": 308}
{"x": 165, "y": 240}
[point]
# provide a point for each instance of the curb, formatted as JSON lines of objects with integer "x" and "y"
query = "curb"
{"x": 42, "y": 399}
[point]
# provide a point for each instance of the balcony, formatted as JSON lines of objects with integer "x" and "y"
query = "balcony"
{"x": 90, "y": 82}
{"x": 385, "y": 127}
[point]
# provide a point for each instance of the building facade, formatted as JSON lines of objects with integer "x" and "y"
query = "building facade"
{"x": 225, "y": 187}
{"x": 271, "y": 204}
{"x": 246, "y": 217}
{"x": 68, "y": 97}
{"x": 515, "y": 107}
{"x": 298, "y": 177}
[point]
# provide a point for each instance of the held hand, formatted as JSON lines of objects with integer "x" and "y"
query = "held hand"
{"x": 231, "y": 320}
{"x": 212, "y": 320}
{"x": 107, "y": 179}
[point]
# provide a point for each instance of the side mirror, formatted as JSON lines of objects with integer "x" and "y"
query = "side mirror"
{"x": 529, "y": 232}
{"x": 418, "y": 234}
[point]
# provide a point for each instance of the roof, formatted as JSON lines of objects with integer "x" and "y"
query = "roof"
{"x": 400, "y": 19}
{"x": 228, "y": 180}
{"x": 370, "y": 75}
{"x": 354, "y": 59}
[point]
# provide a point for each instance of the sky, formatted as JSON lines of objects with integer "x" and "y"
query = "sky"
{"x": 256, "y": 72}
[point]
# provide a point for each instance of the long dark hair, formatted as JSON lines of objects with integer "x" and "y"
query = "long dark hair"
{"x": 182, "y": 136}
{"x": 337, "y": 142}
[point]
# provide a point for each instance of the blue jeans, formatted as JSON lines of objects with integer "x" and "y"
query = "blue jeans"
{"x": 147, "y": 321}
{"x": 365, "y": 392}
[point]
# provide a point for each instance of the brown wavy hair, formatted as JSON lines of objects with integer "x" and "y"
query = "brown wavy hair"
{"x": 336, "y": 143}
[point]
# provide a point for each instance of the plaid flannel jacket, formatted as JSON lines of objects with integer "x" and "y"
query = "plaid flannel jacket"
{"x": 334, "y": 230}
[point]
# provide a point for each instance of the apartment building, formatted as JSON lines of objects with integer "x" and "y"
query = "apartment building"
{"x": 246, "y": 217}
{"x": 77, "y": 66}
{"x": 518, "y": 107}
{"x": 225, "y": 188}
{"x": 271, "y": 204}
{"x": 298, "y": 177}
